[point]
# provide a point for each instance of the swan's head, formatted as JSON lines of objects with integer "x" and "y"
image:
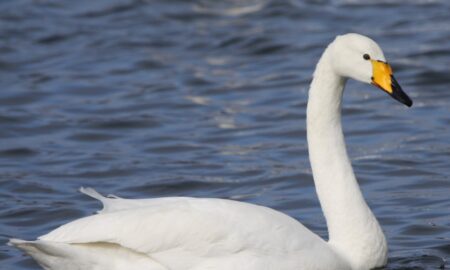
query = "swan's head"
{"x": 360, "y": 58}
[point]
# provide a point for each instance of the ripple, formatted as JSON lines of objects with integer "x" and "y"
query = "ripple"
{"x": 91, "y": 137}
{"x": 230, "y": 7}
{"x": 208, "y": 98}
{"x": 18, "y": 152}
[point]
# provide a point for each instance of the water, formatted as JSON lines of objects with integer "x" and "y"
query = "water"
{"x": 207, "y": 98}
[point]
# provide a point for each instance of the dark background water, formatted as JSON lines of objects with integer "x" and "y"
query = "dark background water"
{"x": 207, "y": 98}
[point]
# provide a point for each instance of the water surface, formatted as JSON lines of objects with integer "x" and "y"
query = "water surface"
{"x": 207, "y": 98}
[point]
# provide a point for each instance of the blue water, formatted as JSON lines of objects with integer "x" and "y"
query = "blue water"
{"x": 207, "y": 98}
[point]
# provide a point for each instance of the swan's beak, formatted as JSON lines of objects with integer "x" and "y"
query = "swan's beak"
{"x": 383, "y": 78}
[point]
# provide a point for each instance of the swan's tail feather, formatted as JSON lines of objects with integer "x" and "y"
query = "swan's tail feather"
{"x": 99, "y": 256}
{"x": 32, "y": 247}
{"x": 48, "y": 255}
{"x": 18, "y": 243}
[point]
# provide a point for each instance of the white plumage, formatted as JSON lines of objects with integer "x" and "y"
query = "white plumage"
{"x": 184, "y": 233}
{"x": 180, "y": 233}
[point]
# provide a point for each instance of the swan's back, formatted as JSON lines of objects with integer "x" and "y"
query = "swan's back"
{"x": 184, "y": 233}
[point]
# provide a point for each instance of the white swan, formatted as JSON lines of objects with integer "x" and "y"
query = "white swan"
{"x": 198, "y": 234}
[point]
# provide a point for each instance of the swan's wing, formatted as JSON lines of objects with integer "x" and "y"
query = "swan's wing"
{"x": 182, "y": 233}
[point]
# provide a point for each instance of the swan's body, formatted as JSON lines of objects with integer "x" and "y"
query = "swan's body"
{"x": 198, "y": 234}
{"x": 191, "y": 233}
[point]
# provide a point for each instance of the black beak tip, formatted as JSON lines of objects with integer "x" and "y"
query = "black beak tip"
{"x": 409, "y": 103}
{"x": 399, "y": 95}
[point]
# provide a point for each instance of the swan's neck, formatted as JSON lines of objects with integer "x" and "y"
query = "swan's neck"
{"x": 353, "y": 230}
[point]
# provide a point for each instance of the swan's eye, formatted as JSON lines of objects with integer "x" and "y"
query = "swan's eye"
{"x": 366, "y": 56}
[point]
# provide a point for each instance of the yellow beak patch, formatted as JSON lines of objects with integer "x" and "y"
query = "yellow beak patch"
{"x": 382, "y": 73}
